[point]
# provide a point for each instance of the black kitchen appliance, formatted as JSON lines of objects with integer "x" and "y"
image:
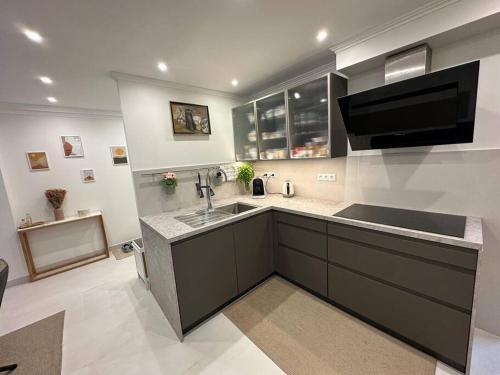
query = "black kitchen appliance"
{"x": 258, "y": 189}
{"x": 432, "y": 109}
{"x": 432, "y": 222}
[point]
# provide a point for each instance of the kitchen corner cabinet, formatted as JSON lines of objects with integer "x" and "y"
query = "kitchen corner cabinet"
{"x": 245, "y": 133}
{"x": 253, "y": 243}
{"x": 272, "y": 127}
{"x": 205, "y": 274}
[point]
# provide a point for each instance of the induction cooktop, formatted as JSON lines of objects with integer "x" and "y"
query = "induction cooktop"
{"x": 445, "y": 224}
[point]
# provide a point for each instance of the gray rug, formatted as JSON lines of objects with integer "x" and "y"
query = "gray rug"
{"x": 37, "y": 348}
{"x": 304, "y": 335}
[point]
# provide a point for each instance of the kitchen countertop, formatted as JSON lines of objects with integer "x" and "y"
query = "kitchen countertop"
{"x": 173, "y": 230}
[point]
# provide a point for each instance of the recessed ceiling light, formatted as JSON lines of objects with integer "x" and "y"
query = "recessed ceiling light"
{"x": 323, "y": 100}
{"x": 322, "y": 34}
{"x": 162, "y": 66}
{"x": 51, "y": 99}
{"x": 33, "y": 36}
{"x": 46, "y": 80}
{"x": 234, "y": 82}
{"x": 296, "y": 95}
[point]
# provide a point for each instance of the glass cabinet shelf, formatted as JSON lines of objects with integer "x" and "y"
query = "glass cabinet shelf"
{"x": 272, "y": 127}
{"x": 245, "y": 134}
{"x": 309, "y": 119}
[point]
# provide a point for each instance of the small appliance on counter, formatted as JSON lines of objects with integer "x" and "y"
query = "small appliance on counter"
{"x": 258, "y": 189}
{"x": 288, "y": 190}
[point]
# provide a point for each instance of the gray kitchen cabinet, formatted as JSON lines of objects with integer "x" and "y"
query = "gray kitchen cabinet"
{"x": 420, "y": 290}
{"x": 253, "y": 242}
{"x": 272, "y": 127}
{"x": 205, "y": 274}
{"x": 316, "y": 127}
{"x": 245, "y": 132}
{"x": 301, "y": 250}
{"x": 305, "y": 270}
{"x": 440, "y": 329}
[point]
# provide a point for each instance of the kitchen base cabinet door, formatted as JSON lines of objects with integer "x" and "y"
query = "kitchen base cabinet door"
{"x": 253, "y": 242}
{"x": 305, "y": 270}
{"x": 205, "y": 274}
{"x": 442, "y": 330}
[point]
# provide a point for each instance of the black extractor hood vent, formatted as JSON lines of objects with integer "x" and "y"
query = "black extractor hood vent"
{"x": 433, "y": 109}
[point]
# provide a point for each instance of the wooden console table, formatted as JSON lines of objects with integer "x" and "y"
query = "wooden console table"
{"x": 34, "y": 273}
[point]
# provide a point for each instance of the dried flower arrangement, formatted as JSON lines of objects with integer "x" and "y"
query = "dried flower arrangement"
{"x": 55, "y": 197}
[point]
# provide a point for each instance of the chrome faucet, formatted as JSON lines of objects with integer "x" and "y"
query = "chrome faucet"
{"x": 208, "y": 189}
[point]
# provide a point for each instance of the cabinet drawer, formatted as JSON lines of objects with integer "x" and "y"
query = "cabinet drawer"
{"x": 453, "y": 255}
{"x": 454, "y": 286}
{"x": 440, "y": 329}
{"x": 305, "y": 240}
{"x": 305, "y": 270}
{"x": 301, "y": 221}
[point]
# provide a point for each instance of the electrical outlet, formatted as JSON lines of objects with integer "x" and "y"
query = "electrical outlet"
{"x": 269, "y": 174}
{"x": 331, "y": 177}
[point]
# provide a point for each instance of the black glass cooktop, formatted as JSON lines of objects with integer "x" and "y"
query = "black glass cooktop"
{"x": 448, "y": 225}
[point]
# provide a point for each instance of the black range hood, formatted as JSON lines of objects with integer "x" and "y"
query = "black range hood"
{"x": 433, "y": 109}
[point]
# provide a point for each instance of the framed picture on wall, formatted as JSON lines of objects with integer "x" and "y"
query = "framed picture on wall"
{"x": 87, "y": 175}
{"x": 190, "y": 118}
{"x": 119, "y": 155}
{"x": 37, "y": 160}
{"x": 72, "y": 146}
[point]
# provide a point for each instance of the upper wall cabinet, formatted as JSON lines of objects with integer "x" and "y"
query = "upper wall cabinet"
{"x": 308, "y": 120}
{"x": 302, "y": 122}
{"x": 245, "y": 133}
{"x": 272, "y": 127}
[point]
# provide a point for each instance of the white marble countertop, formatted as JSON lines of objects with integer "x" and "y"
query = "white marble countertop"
{"x": 173, "y": 230}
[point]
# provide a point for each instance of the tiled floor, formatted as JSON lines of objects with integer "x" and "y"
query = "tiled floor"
{"x": 114, "y": 326}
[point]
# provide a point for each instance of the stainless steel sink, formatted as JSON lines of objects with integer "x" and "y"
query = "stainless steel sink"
{"x": 237, "y": 208}
{"x": 202, "y": 217}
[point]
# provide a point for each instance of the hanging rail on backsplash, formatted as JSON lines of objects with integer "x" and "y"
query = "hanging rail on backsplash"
{"x": 183, "y": 168}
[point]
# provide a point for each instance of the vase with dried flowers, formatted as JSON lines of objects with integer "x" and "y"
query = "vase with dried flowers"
{"x": 56, "y": 199}
{"x": 169, "y": 180}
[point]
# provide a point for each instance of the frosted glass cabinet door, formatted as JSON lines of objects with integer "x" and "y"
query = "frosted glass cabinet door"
{"x": 271, "y": 125}
{"x": 308, "y": 118}
{"x": 245, "y": 135}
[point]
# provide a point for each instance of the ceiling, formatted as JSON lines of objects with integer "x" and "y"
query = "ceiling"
{"x": 204, "y": 43}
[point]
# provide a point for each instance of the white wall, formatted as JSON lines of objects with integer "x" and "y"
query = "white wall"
{"x": 10, "y": 249}
{"x": 152, "y": 145}
{"x": 458, "y": 179}
{"x": 148, "y": 125}
{"x": 112, "y": 192}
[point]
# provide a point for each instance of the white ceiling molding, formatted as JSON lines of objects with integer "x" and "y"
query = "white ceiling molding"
{"x": 119, "y": 76}
{"x": 298, "y": 80}
{"x": 393, "y": 24}
{"x": 49, "y": 110}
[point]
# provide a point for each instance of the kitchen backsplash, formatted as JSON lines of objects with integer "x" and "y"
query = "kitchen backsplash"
{"x": 304, "y": 175}
{"x": 152, "y": 198}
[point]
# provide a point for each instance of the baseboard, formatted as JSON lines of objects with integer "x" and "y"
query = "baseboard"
{"x": 18, "y": 281}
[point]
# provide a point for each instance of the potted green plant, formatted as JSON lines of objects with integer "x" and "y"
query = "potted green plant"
{"x": 169, "y": 180}
{"x": 245, "y": 175}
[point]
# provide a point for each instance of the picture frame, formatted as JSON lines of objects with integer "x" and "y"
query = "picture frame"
{"x": 72, "y": 146}
{"x": 87, "y": 175}
{"x": 190, "y": 119}
{"x": 119, "y": 155}
{"x": 37, "y": 161}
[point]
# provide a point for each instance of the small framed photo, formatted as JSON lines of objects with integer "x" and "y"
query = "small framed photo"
{"x": 87, "y": 175}
{"x": 72, "y": 146}
{"x": 119, "y": 155}
{"x": 37, "y": 160}
{"x": 190, "y": 118}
